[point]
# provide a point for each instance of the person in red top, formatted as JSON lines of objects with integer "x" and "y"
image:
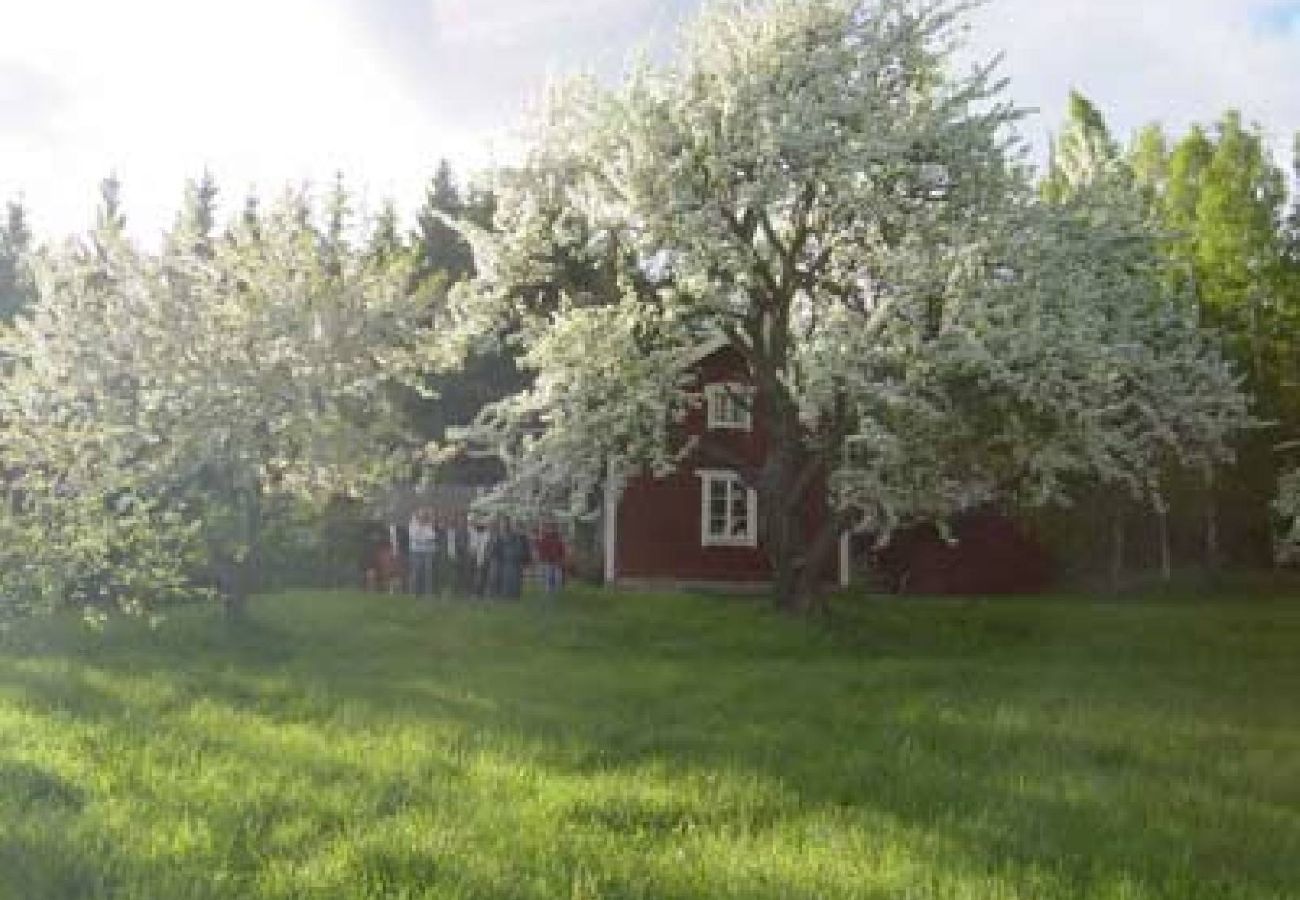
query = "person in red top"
{"x": 550, "y": 557}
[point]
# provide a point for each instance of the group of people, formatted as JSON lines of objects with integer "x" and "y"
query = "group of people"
{"x": 450, "y": 553}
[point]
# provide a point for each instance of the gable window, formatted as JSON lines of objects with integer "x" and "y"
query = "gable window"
{"x": 729, "y": 406}
{"x": 728, "y": 511}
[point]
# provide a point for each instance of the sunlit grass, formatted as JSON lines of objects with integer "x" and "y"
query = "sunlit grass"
{"x": 657, "y": 747}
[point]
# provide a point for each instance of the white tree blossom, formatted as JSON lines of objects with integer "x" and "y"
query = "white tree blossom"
{"x": 155, "y": 404}
{"x": 811, "y": 184}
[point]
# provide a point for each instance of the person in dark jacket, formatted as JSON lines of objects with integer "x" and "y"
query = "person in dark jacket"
{"x": 466, "y": 559}
{"x": 453, "y": 553}
{"x": 373, "y": 541}
{"x": 511, "y": 555}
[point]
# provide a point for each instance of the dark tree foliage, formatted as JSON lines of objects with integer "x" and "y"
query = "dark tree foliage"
{"x": 439, "y": 247}
{"x": 16, "y": 286}
{"x": 109, "y": 215}
{"x": 445, "y": 258}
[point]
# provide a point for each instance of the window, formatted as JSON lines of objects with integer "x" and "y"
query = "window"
{"x": 729, "y": 406}
{"x": 728, "y": 511}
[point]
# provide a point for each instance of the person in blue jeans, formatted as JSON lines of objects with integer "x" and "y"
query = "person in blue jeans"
{"x": 424, "y": 542}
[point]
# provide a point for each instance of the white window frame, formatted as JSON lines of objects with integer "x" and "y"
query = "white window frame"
{"x": 736, "y": 397}
{"x": 709, "y": 477}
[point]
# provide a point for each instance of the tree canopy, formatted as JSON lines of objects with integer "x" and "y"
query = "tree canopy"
{"x": 155, "y": 404}
{"x": 814, "y": 185}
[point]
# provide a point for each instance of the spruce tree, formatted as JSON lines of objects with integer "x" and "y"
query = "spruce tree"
{"x": 16, "y": 286}
{"x": 385, "y": 241}
{"x": 197, "y": 218}
{"x": 440, "y": 248}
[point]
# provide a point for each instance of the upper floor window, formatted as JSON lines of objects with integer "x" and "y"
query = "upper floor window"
{"x": 729, "y": 406}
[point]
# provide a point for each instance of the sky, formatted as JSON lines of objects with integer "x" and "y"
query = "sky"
{"x": 270, "y": 92}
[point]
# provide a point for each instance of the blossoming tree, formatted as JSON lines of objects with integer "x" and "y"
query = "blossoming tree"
{"x": 813, "y": 183}
{"x": 156, "y": 404}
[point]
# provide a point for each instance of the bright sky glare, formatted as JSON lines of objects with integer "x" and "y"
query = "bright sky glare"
{"x": 265, "y": 92}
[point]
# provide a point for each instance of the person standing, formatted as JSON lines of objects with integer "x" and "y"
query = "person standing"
{"x": 494, "y": 556}
{"x": 466, "y": 564}
{"x": 399, "y": 539}
{"x": 550, "y": 557}
{"x": 478, "y": 557}
{"x": 514, "y": 556}
{"x": 372, "y": 542}
{"x": 424, "y": 540}
{"x": 451, "y": 551}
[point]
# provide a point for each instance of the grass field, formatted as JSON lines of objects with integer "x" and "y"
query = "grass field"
{"x": 656, "y": 747}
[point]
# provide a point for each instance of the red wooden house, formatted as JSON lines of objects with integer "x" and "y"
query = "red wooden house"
{"x": 699, "y": 526}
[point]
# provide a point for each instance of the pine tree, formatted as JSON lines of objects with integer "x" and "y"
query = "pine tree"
{"x": 17, "y": 289}
{"x": 248, "y": 226}
{"x": 338, "y": 213}
{"x": 443, "y": 259}
{"x": 440, "y": 248}
{"x": 109, "y": 215}
{"x": 197, "y": 218}
{"x": 385, "y": 242}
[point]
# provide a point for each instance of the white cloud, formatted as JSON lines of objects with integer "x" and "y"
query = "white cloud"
{"x": 260, "y": 92}
{"x": 264, "y": 91}
{"x": 505, "y": 23}
{"x": 1175, "y": 61}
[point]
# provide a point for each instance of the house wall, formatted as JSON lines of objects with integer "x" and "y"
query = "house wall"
{"x": 658, "y": 519}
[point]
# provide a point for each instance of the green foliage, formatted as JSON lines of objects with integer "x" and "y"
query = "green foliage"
{"x": 1220, "y": 196}
{"x": 440, "y": 249}
{"x": 1237, "y": 240}
{"x": 444, "y": 259}
{"x": 656, "y": 747}
{"x": 1148, "y": 159}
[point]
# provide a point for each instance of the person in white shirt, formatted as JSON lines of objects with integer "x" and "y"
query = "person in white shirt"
{"x": 478, "y": 552}
{"x": 424, "y": 541}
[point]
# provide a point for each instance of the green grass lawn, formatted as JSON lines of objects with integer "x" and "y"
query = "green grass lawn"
{"x": 644, "y": 746}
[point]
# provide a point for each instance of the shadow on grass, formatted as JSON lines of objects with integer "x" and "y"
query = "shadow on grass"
{"x": 979, "y": 740}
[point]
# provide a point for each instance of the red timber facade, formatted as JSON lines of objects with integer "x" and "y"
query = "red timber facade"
{"x": 699, "y": 525}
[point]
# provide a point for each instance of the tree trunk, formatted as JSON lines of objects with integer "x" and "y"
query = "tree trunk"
{"x": 818, "y": 556}
{"x": 784, "y": 550}
{"x": 798, "y": 561}
{"x": 1211, "y": 523}
{"x": 1162, "y": 534}
{"x": 1116, "y": 550}
{"x": 780, "y": 499}
{"x": 234, "y": 598}
{"x": 245, "y": 567}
